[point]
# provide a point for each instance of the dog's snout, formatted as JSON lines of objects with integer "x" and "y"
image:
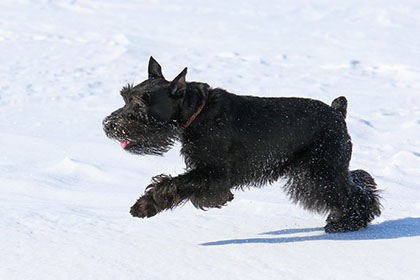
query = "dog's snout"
{"x": 107, "y": 124}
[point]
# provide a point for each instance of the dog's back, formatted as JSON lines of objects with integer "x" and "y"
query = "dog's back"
{"x": 289, "y": 124}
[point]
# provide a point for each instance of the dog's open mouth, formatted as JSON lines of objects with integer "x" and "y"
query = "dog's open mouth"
{"x": 124, "y": 143}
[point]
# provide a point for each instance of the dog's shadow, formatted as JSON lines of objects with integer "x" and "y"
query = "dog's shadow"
{"x": 407, "y": 227}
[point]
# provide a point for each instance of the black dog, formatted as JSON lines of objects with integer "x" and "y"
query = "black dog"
{"x": 230, "y": 141}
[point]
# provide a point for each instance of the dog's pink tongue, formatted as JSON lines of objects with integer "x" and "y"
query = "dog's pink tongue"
{"x": 123, "y": 143}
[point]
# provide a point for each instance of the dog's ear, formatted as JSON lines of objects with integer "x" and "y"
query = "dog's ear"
{"x": 155, "y": 71}
{"x": 179, "y": 85}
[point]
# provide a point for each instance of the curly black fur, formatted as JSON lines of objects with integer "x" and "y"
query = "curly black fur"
{"x": 242, "y": 141}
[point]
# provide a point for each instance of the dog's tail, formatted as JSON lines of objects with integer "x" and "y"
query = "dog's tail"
{"x": 366, "y": 204}
{"x": 340, "y": 104}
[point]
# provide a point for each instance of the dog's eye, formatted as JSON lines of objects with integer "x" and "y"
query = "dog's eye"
{"x": 145, "y": 98}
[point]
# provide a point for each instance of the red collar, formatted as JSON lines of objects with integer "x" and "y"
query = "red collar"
{"x": 198, "y": 111}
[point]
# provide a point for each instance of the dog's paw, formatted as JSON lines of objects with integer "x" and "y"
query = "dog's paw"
{"x": 144, "y": 208}
{"x": 344, "y": 226}
{"x": 204, "y": 200}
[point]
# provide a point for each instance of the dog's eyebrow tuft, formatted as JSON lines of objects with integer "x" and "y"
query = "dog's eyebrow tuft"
{"x": 126, "y": 89}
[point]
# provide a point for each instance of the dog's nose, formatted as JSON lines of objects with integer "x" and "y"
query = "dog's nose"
{"x": 107, "y": 125}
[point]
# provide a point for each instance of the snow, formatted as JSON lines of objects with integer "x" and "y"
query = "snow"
{"x": 66, "y": 190}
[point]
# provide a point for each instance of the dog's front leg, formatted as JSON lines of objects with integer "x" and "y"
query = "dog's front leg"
{"x": 161, "y": 194}
{"x": 166, "y": 192}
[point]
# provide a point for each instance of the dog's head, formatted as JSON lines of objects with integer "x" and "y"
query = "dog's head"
{"x": 146, "y": 124}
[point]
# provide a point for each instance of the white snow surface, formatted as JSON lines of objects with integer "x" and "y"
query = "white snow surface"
{"x": 66, "y": 190}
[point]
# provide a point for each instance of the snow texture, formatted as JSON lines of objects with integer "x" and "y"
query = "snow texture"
{"x": 66, "y": 190}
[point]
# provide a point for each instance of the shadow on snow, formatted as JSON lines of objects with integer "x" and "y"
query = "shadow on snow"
{"x": 407, "y": 227}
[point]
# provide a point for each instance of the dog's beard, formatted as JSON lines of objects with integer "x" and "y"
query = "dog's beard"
{"x": 142, "y": 137}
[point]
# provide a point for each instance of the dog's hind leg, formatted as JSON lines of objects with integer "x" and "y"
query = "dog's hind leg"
{"x": 320, "y": 181}
{"x": 351, "y": 197}
{"x": 363, "y": 204}
{"x": 166, "y": 192}
{"x": 316, "y": 188}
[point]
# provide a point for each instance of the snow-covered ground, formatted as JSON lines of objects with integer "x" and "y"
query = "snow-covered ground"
{"x": 66, "y": 190}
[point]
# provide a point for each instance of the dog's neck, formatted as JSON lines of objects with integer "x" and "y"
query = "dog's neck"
{"x": 197, "y": 112}
{"x": 195, "y": 99}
